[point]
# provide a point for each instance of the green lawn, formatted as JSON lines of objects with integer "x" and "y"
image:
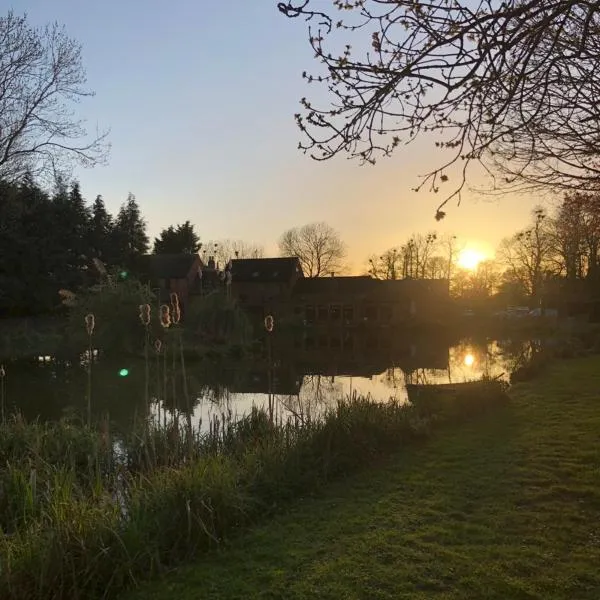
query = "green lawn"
{"x": 506, "y": 508}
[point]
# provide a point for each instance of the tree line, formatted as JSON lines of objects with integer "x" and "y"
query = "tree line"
{"x": 49, "y": 240}
{"x": 556, "y": 255}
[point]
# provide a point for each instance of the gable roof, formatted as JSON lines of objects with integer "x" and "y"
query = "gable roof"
{"x": 265, "y": 270}
{"x": 168, "y": 266}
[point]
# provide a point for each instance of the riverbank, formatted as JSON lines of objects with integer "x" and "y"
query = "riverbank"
{"x": 504, "y": 507}
{"x": 86, "y": 515}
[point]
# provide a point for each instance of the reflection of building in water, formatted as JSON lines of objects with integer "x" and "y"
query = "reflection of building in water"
{"x": 325, "y": 355}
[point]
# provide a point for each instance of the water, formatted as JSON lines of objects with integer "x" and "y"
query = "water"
{"x": 290, "y": 378}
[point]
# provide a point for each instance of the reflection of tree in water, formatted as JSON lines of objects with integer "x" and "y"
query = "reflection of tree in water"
{"x": 516, "y": 353}
{"x": 316, "y": 394}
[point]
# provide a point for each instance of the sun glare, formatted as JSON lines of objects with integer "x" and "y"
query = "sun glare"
{"x": 469, "y": 259}
{"x": 469, "y": 360}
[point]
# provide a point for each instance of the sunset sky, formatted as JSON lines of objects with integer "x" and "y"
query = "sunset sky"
{"x": 200, "y": 98}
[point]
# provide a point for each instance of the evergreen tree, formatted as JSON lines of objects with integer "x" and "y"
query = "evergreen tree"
{"x": 70, "y": 235}
{"x": 100, "y": 232}
{"x": 181, "y": 239}
{"x": 129, "y": 233}
{"x": 27, "y": 254}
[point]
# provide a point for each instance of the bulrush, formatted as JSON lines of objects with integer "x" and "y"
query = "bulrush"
{"x": 145, "y": 314}
{"x": 175, "y": 310}
{"x": 269, "y": 323}
{"x": 165, "y": 315}
{"x": 90, "y": 323}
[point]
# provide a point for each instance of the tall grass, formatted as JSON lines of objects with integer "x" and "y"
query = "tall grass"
{"x": 84, "y": 515}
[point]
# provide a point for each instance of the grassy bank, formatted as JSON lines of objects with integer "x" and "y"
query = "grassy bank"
{"x": 504, "y": 507}
{"x": 83, "y": 517}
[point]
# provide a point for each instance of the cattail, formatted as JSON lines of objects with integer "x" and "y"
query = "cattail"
{"x": 145, "y": 314}
{"x": 90, "y": 323}
{"x": 269, "y": 323}
{"x": 175, "y": 310}
{"x": 176, "y": 315}
{"x": 165, "y": 315}
{"x": 157, "y": 346}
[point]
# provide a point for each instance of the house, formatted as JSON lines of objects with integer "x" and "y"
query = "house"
{"x": 168, "y": 273}
{"x": 262, "y": 285}
{"x": 350, "y": 301}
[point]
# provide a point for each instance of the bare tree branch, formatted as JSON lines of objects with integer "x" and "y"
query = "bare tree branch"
{"x": 41, "y": 78}
{"x": 511, "y": 85}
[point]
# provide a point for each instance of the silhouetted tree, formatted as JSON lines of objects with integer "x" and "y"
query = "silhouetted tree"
{"x": 317, "y": 246}
{"x": 512, "y": 85}
{"x": 100, "y": 232}
{"x": 228, "y": 249}
{"x": 528, "y": 255}
{"x": 129, "y": 233}
{"x": 181, "y": 239}
{"x": 41, "y": 78}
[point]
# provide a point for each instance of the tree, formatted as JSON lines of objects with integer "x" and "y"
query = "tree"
{"x": 129, "y": 233}
{"x": 181, "y": 239}
{"x": 228, "y": 249}
{"x": 318, "y": 247}
{"x": 528, "y": 255}
{"x": 100, "y": 232}
{"x": 69, "y": 234}
{"x": 41, "y": 78}
{"x": 511, "y": 85}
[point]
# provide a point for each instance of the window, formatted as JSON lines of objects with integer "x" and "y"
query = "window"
{"x": 335, "y": 312}
{"x": 322, "y": 313}
{"x": 310, "y": 314}
{"x": 335, "y": 342}
{"x": 298, "y": 310}
{"x": 323, "y": 341}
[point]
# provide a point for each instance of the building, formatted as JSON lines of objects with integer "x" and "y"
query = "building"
{"x": 353, "y": 301}
{"x": 184, "y": 274}
{"x": 264, "y": 285}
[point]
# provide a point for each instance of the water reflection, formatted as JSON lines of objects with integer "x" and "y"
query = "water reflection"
{"x": 294, "y": 379}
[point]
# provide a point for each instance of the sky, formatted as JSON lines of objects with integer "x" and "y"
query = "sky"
{"x": 200, "y": 96}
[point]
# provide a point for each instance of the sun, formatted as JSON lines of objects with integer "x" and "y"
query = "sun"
{"x": 469, "y": 259}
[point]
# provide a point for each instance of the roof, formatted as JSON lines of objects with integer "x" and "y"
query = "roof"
{"x": 335, "y": 285}
{"x": 367, "y": 285}
{"x": 265, "y": 270}
{"x": 168, "y": 266}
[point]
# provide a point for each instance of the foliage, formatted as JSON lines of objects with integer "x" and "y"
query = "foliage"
{"x": 80, "y": 529}
{"x": 129, "y": 233}
{"x": 215, "y": 318}
{"x": 115, "y": 305}
{"x": 475, "y": 75}
{"x": 41, "y": 78}
{"x": 180, "y": 239}
{"x": 318, "y": 247}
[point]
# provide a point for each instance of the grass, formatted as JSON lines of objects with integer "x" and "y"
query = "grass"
{"x": 507, "y": 507}
{"x": 80, "y": 522}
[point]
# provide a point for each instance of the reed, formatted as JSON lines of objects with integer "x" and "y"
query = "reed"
{"x": 86, "y": 515}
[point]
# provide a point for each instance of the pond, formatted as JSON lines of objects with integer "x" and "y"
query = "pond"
{"x": 292, "y": 379}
